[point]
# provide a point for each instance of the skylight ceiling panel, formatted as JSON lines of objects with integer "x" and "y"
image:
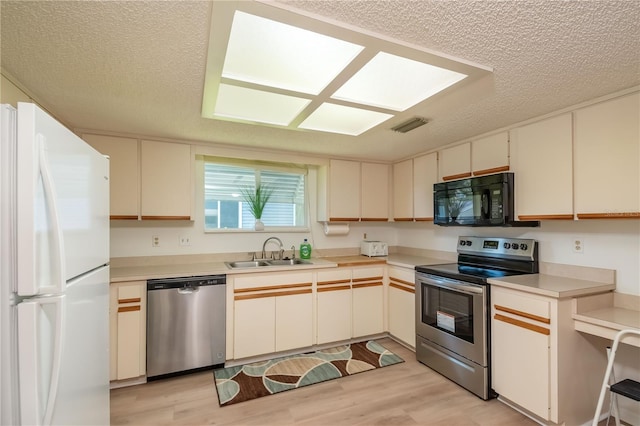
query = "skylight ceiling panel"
{"x": 396, "y": 83}
{"x": 270, "y": 53}
{"x": 343, "y": 119}
{"x": 241, "y": 103}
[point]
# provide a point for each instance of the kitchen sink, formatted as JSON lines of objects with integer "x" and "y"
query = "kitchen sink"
{"x": 262, "y": 263}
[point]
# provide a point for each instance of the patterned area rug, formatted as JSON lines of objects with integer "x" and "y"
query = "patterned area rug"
{"x": 246, "y": 382}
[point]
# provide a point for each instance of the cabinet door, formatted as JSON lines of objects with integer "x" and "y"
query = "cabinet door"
{"x": 165, "y": 180}
{"x": 333, "y": 301}
{"x": 403, "y": 191}
{"x": 128, "y": 330}
{"x": 541, "y": 159}
{"x": 375, "y": 192}
{"x": 490, "y": 154}
{"x": 402, "y": 305}
{"x": 368, "y": 301}
{"x": 520, "y": 357}
{"x": 607, "y": 149}
{"x": 254, "y": 327}
{"x": 425, "y": 175}
{"x": 124, "y": 193}
{"x": 344, "y": 190}
{"x": 294, "y": 321}
{"x": 455, "y": 162}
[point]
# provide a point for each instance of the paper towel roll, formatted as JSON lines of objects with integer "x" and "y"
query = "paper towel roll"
{"x": 336, "y": 228}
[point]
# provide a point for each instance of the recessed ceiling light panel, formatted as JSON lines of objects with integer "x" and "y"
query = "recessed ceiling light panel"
{"x": 240, "y": 103}
{"x": 274, "y": 54}
{"x": 343, "y": 119}
{"x": 396, "y": 83}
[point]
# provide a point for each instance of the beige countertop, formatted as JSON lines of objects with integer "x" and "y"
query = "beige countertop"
{"x": 552, "y": 286}
{"x": 170, "y": 270}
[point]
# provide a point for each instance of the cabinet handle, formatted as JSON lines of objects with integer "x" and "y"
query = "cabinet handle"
{"x": 165, "y": 218}
{"x": 522, "y": 324}
{"x": 134, "y": 300}
{"x": 359, "y": 280}
{"x": 424, "y": 219}
{"x": 128, "y": 308}
{"x": 362, "y": 285}
{"x": 403, "y": 219}
{"x": 123, "y": 217}
{"x": 399, "y": 281}
{"x": 344, "y": 219}
{"x": 546, "y": 217}
{"x": 401, "y": 287}
{"x": 336, "y": 288}
{"x": 490, "y": 171}
{"x": 334, "y": 282}
{"x": 522, "y": 314}
{"x": 612, "y": 215}
{"x": 458, "y": 176}
{"x": 272, "y": 294}
{"x": 272, "y": 287}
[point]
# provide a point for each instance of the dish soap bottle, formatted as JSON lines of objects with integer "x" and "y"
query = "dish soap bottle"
{"x": 305, "y": 250}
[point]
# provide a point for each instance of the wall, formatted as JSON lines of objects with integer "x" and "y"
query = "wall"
{"x": 11, "y": 94}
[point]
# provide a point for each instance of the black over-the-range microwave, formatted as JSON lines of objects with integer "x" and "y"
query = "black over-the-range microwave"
{"x": 477, "y": 201}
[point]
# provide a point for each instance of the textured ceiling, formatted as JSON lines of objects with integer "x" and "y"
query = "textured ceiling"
{"x": 138, "y": 67}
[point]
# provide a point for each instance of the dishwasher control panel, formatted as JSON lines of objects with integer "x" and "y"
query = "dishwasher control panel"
{"x": 200, "y": 281}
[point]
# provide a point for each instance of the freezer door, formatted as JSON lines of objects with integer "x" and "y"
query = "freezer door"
{"x": 63, "y": 353}
{"x": 62, "y": 204}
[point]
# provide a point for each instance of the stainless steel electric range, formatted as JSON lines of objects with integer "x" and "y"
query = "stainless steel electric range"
{"x": 452, "y": 307}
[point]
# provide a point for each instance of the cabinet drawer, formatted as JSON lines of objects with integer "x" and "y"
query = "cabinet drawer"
{"x": 129, "y": 293}
{"x": 520, "y": 305}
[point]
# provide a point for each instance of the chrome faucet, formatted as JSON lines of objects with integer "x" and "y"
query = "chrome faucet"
{"x": 264, "y": 245}
{"x": 293, "y": 252}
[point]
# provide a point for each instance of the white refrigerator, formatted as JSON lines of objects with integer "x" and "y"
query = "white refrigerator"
{"x": 54, "y": 271}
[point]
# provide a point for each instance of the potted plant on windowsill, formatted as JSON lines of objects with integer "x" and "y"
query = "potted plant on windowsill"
{"x": 257, "y": 199}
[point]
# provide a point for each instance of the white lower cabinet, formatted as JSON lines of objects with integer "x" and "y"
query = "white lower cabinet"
{"x": 368, "y": 301}
{"x": 272, "y": 312}
{"x": 127, "y": 327}
{"x": 402, "y": 306}
{"x": 333, "y": 305}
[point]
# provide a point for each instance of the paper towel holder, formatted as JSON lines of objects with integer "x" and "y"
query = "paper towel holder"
{"x": 336, "y": 228}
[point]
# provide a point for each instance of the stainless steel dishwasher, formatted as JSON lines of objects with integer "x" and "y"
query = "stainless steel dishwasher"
{"x": 185, "y": 324}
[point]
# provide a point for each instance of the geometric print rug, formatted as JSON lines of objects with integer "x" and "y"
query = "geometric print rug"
{"x": 258, "y": 379}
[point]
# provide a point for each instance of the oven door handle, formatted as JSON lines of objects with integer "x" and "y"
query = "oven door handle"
{"x": 455, "y": 285}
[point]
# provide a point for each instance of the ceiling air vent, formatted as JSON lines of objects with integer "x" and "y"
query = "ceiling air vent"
{"x": 409, "y": 125}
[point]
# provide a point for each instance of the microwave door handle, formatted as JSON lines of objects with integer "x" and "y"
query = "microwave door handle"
{"x": 486, "y": 204}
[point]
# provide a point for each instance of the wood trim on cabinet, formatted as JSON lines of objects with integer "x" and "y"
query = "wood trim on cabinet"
{"x": 132, "y": 300}
{"x": 399, "y": 281}
{"x": 374, "y": 219}
{"x": 522, "y": 324}
{"x": 344, "y": 281}
{"x": 362, "y": 285}
{"x": 368, "y": 262}
{"x": 458, "y": 176}
{"x": 424, "y": 219}
{"x": 401, "y": 287}
{"x": 123, "y": 217}
{"x": 335, "y": 288}
{"x": 166, "y": 217}
{"x": 490, "y": 171}
{"x": 612, "y": 215}
{"x": 271, "y": 287}
{"x": 522, "y": 314}
{"x": 128, "y": 308}
{"x": 359, "y": 280}
{"x": 567, "y": 216}
{"x": 271, "y": 294}
{"x": 403, "y": 219}
{"x": 344, "y": 219}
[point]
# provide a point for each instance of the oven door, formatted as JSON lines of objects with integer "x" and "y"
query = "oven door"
{"x": 453, "y": 314}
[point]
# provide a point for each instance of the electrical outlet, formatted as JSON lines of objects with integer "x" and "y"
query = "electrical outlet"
{"x": 155, "y": 241}
{"x": 578, "y": 245}
{"x": 185, "y": 241}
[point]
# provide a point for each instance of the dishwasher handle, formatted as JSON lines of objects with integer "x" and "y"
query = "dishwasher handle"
{"x": 188, "y": 290}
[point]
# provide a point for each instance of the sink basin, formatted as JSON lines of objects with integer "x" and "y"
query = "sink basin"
{"x": 246, "y": 264}
{"x": 262, "y": 263}
{"x": 288, "y": 262}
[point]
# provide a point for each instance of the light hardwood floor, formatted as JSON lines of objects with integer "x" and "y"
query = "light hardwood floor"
{"x": 404, "y": 394}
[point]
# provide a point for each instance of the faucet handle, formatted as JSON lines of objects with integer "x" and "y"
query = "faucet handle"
{"x": 293, "y": 252}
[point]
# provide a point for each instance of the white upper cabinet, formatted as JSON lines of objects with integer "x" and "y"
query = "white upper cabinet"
{"x": 375, "y": 192}
{"x": 541, "y": 159}
{"x": 344, "y": 191}
{"x": 403, "y": 191}
{"x": 425, "y": 175}
{"x": 124, "y": 164}
{"x": 166, "y": 177}
{"x": 607, "y": 159}
{"x": 455, "y": 162}
{"x": 490, "y": 154}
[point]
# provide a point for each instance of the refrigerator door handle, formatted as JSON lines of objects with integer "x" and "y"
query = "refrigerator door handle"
{"x": 40, "y": 359}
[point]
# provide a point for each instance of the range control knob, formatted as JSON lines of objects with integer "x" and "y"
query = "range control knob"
{"x": 523, "y": 247}
{"x": 463, "y": 242}
{"x": 507, "y": 245}
{"x": 469, "y": 243}
{"x": 515, "y": 246}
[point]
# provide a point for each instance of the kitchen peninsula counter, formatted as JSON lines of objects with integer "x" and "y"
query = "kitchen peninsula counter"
{"x": 552, "y": 286}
